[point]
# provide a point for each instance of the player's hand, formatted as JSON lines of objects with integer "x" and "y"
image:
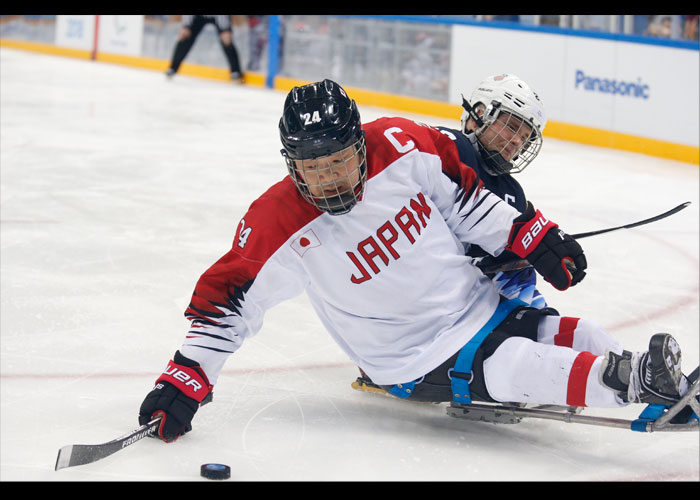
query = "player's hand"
{"x": 176, "y": 397}
{"x": 553, "y": 253}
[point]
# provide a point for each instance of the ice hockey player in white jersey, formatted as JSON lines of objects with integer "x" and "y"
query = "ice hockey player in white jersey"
{"x": 372, "y": 223}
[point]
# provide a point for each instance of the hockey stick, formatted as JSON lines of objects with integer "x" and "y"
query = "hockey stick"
{"x": 81, "y": 454}
{"x": 522, "y": 263}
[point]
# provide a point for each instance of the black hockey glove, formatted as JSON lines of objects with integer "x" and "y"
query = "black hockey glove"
{"x": 176, "y": 397}
{"x": 553, "y": 253}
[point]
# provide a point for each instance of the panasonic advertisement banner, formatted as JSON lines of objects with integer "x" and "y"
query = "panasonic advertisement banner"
{"x": 639, "y": 89}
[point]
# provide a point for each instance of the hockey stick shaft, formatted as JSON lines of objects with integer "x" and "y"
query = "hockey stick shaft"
{"x": 81, "y": 454}
{"x": 633, "y": 224}
{"x": 523, "y": 263}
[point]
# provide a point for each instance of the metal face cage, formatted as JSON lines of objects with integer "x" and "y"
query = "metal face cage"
{"x": 508, "y": 134}
{"x": 334, "y": 183}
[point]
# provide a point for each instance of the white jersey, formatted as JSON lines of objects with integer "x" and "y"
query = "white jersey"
{"x": 389, "y": 279}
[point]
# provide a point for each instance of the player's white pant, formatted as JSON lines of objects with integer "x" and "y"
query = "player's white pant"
{"x": 561, "y": 368}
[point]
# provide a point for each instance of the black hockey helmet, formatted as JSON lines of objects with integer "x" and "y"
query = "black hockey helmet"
{"x": 319, "y": 119}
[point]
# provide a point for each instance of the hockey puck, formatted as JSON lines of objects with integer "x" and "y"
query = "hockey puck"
{"x": 216, "y": 471}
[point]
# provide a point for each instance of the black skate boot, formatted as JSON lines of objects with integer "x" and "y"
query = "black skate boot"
{"x": 662, "y": 370}
{"x": 652, "y": 377}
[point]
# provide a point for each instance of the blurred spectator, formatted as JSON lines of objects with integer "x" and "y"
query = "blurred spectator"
{"x": 549, "y": 20}
{"x": 690, "y": 27}
{"x": 513, "y": 19}
{"x": 257, "y": 40}
{"x": 191, "y": 28}
{"x": 660, "y": 26}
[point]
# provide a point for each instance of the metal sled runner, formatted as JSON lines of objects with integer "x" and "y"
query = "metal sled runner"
{"x": 681, "y": 417}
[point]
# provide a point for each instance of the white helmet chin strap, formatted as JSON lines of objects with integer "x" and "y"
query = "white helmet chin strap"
{"x": 470, "y": 113}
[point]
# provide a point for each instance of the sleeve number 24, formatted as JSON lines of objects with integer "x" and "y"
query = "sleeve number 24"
{"x": 243, "y": 234}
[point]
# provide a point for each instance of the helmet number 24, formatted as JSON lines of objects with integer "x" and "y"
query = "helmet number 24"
{"x": 311, "y": 118}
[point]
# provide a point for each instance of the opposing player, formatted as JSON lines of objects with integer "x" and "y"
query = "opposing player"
{"x": 371, "y": 222}
{"x": 501, "y": 134}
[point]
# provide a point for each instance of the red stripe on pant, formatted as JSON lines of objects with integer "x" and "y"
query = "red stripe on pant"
{"x": 578, "y": 377}
{"x": 565, "y": 337}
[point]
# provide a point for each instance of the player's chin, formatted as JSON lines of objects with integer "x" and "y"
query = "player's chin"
{"x": 333, "y": 193}
{"x": 509, "y": 154}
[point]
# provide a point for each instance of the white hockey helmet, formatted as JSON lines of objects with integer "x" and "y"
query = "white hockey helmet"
{"x": 522, "y": 107}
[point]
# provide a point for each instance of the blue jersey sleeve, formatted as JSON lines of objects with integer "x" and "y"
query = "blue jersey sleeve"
{"x": 503, "y": 186}
{"x": 512, "y": 284}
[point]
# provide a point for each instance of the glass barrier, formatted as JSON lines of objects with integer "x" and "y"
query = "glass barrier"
{"x": 673, "y": 27}
{"x": 390, "y": 56}
{"x": 404, "y": 55}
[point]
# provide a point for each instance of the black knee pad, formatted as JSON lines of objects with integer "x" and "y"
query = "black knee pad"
{"x": 436, "y": 386}
{"x": 522, "y": 322}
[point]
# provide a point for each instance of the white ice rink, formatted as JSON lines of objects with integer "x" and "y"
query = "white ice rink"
{"x": 120, "y": 187}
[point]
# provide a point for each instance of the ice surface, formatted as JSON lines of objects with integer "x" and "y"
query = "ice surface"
{"x": 119, "y": 188}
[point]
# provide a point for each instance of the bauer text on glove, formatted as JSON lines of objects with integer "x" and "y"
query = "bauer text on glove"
{"x": 176, "y": 397}
{"x": 553, "y": 253}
